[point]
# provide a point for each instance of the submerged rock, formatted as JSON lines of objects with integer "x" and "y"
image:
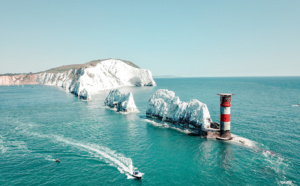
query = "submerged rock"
{"x": 123, "y": 102}
{"x": 164, "y": 105}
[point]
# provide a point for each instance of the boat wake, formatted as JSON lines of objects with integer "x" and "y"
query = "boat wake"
{"x": 118, "y": 160}
{"x": 111, "y": 157}
{"x": 2, "y": 146}
{"x": 49, "y": 158}
{"x": 10, "y": 146}
{"x": 123, "y": 164}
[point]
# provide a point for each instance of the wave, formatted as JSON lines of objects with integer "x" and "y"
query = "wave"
{"x": 289, "y": 182}
{"x": 124, "y": 113}
{"x": 9, "y": 147}
{"x": 272, "y": 160}
{"x": 167, "y": 125}
{"x": 235, "y": 138}
{"x": 2, "y": 146}
{"x": 243, "y": 141}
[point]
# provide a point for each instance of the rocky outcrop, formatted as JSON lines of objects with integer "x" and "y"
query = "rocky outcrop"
{"x": 123, "y": 102}
{"x": 88, "y": 78}
{"x": 84, "y": 95}
{"x": 164, "y": 105}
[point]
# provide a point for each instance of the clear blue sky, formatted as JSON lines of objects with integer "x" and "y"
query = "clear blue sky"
{"x": 184, "y": 38}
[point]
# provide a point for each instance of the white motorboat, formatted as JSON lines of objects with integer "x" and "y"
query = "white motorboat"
{"x": 137, "y": 175}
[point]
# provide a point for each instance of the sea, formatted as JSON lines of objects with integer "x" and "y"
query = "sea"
{"x": 99, "y": 146}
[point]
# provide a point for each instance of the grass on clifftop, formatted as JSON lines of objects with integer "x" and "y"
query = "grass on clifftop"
{"x": 65, "y": 68}
{"x": 88, "y": 64}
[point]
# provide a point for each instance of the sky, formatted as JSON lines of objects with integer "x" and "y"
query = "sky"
{"x": 185, "y": 38}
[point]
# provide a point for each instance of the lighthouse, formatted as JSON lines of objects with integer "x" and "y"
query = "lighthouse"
{"x": 225, "y": 103}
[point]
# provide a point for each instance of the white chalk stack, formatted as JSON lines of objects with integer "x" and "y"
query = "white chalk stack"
{"x": 123, "y": 102}
{"x": 164, "y": 105}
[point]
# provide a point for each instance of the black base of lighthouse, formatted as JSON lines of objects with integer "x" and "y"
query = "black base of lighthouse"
{"x": 224, "y": 135}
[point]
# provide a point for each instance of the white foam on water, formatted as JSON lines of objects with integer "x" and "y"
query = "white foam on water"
{"x": 153, "y": 123}
{"x": 286, "y": 183}
{"x": 3, "y": 149}
{"x": 275, "y": 162}
{"x": 121, "y": 171}
{"x": 274, "y": 159}
{"x": 266, "y": 153}
{"x": 118, "y": 160}
{"x": 25, "y": 126}
{"x": 186, "y": 131}
{"x": 235, "y": 138}
{"x": 242, "y": 141}
{"x": 11, "y": 146}
{"x": 49, "y": 158}
{"x": 167, "y": 125}
{"x": 2, "y": 146}
{"x": 129, "y": 176}
{"x": 116, "y": 110}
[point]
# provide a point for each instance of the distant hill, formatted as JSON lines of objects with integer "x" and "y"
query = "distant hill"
{"x": 85, "y": 79}
{"x": 65, "y": 68}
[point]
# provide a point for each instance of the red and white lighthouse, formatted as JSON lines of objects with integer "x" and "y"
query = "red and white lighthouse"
{"x": 225, "y": 103}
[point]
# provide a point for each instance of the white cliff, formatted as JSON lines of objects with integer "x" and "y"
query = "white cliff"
{"x": 86, "y": 79}
{"x": 95, "y": 77}
{"x": 164, "y": 105}
{"x": 18, "y": 79}
{"x": 123, "y": 102}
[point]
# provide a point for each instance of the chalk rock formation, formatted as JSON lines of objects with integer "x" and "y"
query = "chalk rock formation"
{"x": 83, "y": 94}
{"x": 164, "y": 105}
{"x": 18, "y": 79}
{"x": 121, "y": 101}
{"x": 90, "y": 77}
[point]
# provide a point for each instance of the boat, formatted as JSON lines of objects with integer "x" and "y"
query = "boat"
{"x": 295, "y": 105}
{"x": 137, "y": 175}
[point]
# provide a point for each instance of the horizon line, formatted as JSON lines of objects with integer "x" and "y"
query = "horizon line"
{"x": 175, "y": 77}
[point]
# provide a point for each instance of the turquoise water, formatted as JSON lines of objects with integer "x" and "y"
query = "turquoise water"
{"x": 97, "y": 146}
